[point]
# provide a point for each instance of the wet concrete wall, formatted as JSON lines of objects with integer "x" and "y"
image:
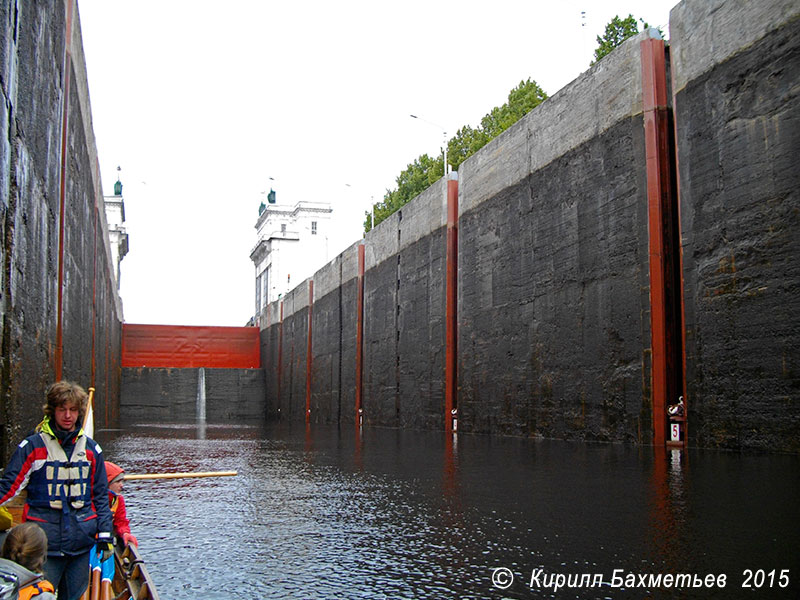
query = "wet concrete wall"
{"x": 284, "y": 346}
{"x": 560, "y": 332}
{"x": 60, "y": 311}
{"x": 403, "y": 329}
{"x": 197, "y": 375}
{"x": 295, "y": 345}
{"x": 404, "y": 306}
{"x": 168, "y": 395}
{"x": 548, "y": 275}
{"x": 554, "y": 278}
{"x": 737, "y": 84}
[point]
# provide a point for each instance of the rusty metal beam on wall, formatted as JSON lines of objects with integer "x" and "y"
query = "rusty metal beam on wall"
{"x": 62, "y": 193}
{"x": 360, "y": 336}
{"x": 280, "y": 355}
{"x": 451, "y": 308}
{"x": 678, "y": 257}
{"x": 308, "y": 352}
{"x": 663, "y": 235}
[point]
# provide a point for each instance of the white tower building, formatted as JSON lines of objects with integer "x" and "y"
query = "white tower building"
{"x": 292, "y": 244}
{"x": 117, "y": 236}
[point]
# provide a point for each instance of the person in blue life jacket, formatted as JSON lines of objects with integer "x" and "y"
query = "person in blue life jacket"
{"x": 22, "y": 556}
{"x": 64, "y": 473}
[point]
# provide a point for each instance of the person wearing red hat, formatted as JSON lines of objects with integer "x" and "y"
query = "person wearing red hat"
{"x": 122, "y": 526}
{"x": 103, "y": 570}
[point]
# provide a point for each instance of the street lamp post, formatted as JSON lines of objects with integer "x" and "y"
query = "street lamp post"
{"x": 372, "y": 208}
{"x": 444, "y": 133}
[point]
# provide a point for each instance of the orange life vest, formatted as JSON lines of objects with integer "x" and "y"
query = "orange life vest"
{"x": 34, "y": 589}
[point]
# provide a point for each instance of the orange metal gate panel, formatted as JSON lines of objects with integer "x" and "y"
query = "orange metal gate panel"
{"x": 180, "y": 346}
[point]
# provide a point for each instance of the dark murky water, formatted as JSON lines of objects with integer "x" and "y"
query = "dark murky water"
{"x": 320, "y": 513}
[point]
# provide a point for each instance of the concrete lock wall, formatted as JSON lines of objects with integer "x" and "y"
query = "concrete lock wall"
{"x": 191, "y": 375}
{"x": 285, "y": 341}
{"x": 736, "y": 72}
{"x": 404, "y": 316}
{"x": 403, "y": 335}
{"x": 153, "y": 395}
{"x": 506, "y": 355}
{"x": 554, "y": 306}
{"x": 61, "y": 312}
{"x": 613, "y": 255}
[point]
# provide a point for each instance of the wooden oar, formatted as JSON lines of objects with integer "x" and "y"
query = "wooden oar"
{"x": 105, "y": 589}
{"x": 179, "y": 475}
{"x": 94, "y": 587}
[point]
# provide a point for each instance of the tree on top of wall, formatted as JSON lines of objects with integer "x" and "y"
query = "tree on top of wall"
{"x": 425, "y": 171}
{"x": 467, "y": 141}
{"x": 415, "y": 179}
{"x": 617, "y": 31}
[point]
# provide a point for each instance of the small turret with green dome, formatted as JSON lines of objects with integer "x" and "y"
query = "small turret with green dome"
{"x": 118, "y": 184}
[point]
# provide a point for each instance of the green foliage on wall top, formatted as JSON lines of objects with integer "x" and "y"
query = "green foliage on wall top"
{"x": 425, "y": 171}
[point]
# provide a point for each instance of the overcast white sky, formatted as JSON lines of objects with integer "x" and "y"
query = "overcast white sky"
{"x": 201, "y": 103}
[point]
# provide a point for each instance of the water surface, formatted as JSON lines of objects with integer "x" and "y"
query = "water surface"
{"x": 323, "y": 513}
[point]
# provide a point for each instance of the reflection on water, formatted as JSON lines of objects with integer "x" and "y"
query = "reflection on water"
{"x": 201, "y": 403}
{"x": 325, "y": 513}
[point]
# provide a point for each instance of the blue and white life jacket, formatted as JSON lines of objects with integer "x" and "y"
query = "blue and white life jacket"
{"x": 68, "y": 479}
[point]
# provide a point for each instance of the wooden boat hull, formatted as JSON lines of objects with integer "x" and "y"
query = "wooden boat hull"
{"x": 131, "y": 579}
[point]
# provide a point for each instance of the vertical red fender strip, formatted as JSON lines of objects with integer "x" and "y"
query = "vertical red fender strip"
{"x": 451, "y": 308}
{"x": 308, "y": 351}
{"x": 280, "y": 354}
{"x": 360, "y": 335}
{"x": 62, "y": 194}
{"x": 660, "y": 201}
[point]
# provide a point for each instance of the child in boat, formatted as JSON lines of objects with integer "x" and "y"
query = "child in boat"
{"x": 103, "y": 571}
{"x": 122, "y": 527}
{"x": 23, "y": 555}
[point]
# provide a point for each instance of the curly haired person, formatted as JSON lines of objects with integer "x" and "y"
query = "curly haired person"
{"x": 64, "y": 473}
